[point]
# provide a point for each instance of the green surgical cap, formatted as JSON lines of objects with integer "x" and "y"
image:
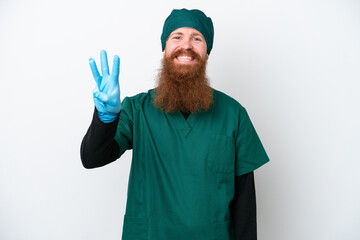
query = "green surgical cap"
{"x": 189, "y": 18}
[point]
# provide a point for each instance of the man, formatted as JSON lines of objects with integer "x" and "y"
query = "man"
{"x": 194, "y": 148}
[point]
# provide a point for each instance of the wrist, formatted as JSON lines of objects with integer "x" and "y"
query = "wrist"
{"x": 106, "y": 117}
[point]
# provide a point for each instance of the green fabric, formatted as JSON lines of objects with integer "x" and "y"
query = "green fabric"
{"x": 183, "y": 171}
{"x": 189, "y": 18}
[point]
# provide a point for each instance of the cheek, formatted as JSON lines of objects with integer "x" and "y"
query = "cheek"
{"x": 202, "y": 51}
{"x": 168, "y": 50}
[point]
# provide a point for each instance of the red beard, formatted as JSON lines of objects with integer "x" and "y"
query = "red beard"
{"x": 183, "y": 87}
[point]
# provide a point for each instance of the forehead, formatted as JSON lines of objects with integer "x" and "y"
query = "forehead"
{"x": 185, "y": 31}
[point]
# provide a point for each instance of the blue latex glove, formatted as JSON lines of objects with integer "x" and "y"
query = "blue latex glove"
{"x": 107, "y": 91}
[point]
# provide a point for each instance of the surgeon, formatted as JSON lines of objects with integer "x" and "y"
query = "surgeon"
{"x": 194, "y": 148}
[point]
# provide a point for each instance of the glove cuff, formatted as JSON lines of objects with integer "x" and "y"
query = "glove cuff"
{"x": 107, "y": 117}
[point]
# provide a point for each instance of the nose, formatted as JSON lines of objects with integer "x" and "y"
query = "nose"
{"x": 187, "y": 44}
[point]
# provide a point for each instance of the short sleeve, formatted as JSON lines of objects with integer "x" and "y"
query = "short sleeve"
{"x": 250, "y": 153}
{"x": 124, "y": 133}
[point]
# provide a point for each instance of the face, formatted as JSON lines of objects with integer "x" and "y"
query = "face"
{"x": 182, "y": 81}
{"x": 181, "y": 42}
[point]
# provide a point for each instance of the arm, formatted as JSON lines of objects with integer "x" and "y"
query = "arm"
{"x": 244, "y": 207}
{"x": 98, "y": 146}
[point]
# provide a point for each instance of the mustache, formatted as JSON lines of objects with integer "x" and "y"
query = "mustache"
{"x": 185, "y": 51}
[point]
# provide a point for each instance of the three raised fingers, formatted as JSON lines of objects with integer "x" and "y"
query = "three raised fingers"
{"x": 104, "y": 67}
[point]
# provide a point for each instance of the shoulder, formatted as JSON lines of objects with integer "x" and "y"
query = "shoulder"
{"x": 139, "y": 97}
{"x": 139, "y": 100}
{"x": 225, "y": 102}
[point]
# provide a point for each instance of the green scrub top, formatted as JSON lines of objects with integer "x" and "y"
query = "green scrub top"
{"x": 182, "y": 175}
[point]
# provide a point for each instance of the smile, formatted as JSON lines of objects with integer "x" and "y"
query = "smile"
{"x": 185, "y": 58}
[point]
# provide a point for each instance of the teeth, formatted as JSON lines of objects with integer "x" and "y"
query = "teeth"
{"x": 184, "y": 58}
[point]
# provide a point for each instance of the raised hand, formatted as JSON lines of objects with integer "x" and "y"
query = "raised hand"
{"x": 107, "y": 91}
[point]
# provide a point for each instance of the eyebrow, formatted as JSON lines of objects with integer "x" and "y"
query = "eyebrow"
{"x": 180, "y": 33}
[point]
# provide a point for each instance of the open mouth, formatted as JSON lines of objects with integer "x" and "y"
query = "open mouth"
{"x": 185, "y": 58}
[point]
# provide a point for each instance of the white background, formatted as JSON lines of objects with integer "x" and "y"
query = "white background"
{"x": 294, "y": 65}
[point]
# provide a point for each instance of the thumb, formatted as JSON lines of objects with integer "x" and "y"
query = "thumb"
{"x": 102, "y": 96}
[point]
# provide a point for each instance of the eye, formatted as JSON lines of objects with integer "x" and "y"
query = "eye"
{"x": 176, "y": 37}
{"x": 197, "y": 39}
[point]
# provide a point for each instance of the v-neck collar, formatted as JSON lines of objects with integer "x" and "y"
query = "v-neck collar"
{"x": 184, "y": 125}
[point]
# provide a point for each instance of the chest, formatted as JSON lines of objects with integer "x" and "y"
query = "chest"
{"x": 195, "y": 145}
